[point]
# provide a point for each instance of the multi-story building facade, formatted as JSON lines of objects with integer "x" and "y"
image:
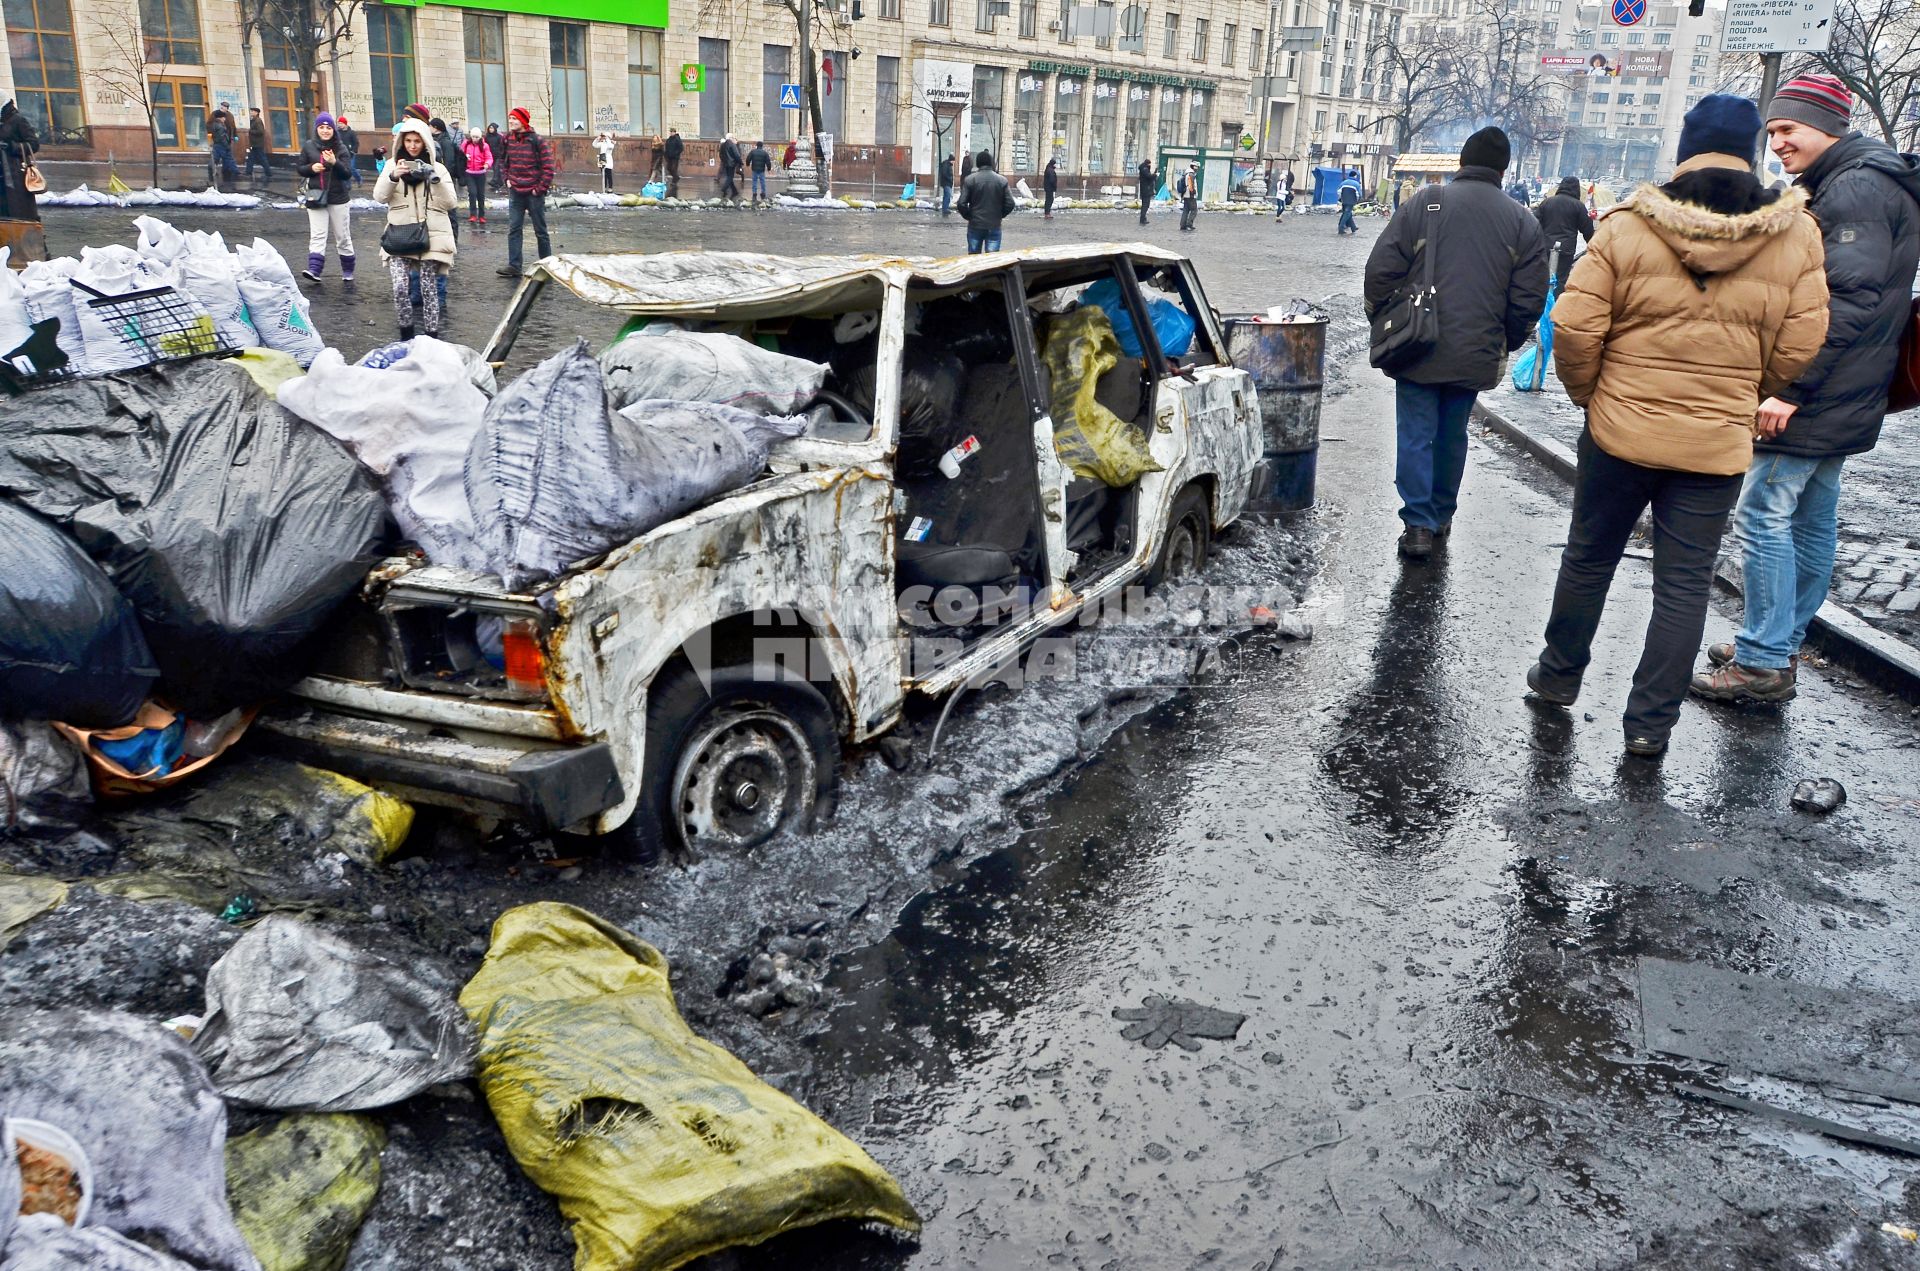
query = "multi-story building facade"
{"x": 1097, "y": 85}
{"x": 1340, "y": 91}
{"x": 1627, "y": 126}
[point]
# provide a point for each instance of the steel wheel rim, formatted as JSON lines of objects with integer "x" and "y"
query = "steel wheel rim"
{"x": 740, "y": 779}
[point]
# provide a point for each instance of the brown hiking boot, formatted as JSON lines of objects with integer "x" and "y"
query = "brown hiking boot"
{"x": 1722, "y": 655}
{"x": 1736, "y": 683}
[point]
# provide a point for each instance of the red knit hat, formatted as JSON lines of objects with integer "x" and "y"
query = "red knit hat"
{"x": 1819, "y": 101}
{"x": 520, "y": 113}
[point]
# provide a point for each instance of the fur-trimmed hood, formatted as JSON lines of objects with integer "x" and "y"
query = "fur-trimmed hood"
{"x": 1714, "y": 214}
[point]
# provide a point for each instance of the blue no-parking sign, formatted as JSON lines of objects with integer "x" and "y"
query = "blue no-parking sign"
{"x": 1628, "y": 12}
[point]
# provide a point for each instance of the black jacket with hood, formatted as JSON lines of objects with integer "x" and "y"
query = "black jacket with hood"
{"x": 1490, "y": 270}
{"x": 1564, "y": 220}
{"x": 1867, "y": 200}
{"x": 336, "y": 181}
{"x": 985, "y": 200}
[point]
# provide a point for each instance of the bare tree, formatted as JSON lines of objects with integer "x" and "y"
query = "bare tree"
{"x": 121, "y": 69}
{"x": 742, "y": 15}
{"x": 313, "y": 30}
{"x": 1416, "y": 67}
{"x": 940, "y": 122}
{"x": 1498, "y": 77}
{"x": 1876, "y": 53}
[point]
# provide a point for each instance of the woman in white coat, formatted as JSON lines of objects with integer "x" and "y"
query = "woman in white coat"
{"x": 418, "y": 191}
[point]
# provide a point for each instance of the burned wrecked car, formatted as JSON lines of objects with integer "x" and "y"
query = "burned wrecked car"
{"x": 999, "y": 443}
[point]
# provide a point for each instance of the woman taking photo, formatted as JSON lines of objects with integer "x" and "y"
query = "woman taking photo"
{"x": 326, "y": 165}
{"x": 418, "y": 238}
{"x": 479, "y": 164}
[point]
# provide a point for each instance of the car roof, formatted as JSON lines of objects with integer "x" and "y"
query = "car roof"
{"x": 702, "y": 281}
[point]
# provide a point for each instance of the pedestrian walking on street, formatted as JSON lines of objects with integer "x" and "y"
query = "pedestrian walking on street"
{"x": 966, "y": 167}
{"x": 323, "y": 164}
{"x": 1283, "y": 197}
{"x": 1049, "y": 186}
{"x": 603, "y": 147}
{"x": 759, "y": 163}
{"x": 674, "y": 149}
{"x": 1490, "y": 275}
{"x": 1565, "y": 222}
{"x": 1147, "y": 188}
{"x": 1349, "y": 196}
{"x": 945, "y": 174}
{"x": 529, "y": 176}
{"x": 985, "y": 202}
{"x": 351, "y": 140}
{"x": 419, "y": 194}
{"x": 479, "y": 157}
{"x": 257, "y": 145}
{"x": 730, "y": 170}
{"x": 18, "y": 141}
{"x": 497, "y": 142}
{"x": 1867, "y": 200}
{"x": 222, "y": 132}
{"x": 1187, "y": 189}
{"x": 1697, "y": 299}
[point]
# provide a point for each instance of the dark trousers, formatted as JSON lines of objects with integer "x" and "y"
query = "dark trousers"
{"x": 673, "y": 178}
{"x": 1430, "y": 424}
{"x": 477, "y": 195}
{"x": 1146, "y": 197}
{"x": 1189, "y": 212}
{"x": 1346, "y": 225}
{"x": 1047, "y": 197}
{"x": 1689, "y": 516}
{"x": 519, "y": 208}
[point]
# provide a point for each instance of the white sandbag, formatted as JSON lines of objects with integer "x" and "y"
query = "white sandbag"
{"x": 274, "y": 303}
{"x": 16, "y": 325}
{"x": 157, "y": 240}
{"x": 115, "y": 271}
{"x": 411, "y": 420}
{"x": 208, "y": 274}
{"x": 43, "y": 1242}
{"x": 662, "y": 361}
{"x": 555, "y": 477}
{"x": 48, "y": 285}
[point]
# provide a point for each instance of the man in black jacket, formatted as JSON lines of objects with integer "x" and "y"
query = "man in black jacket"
{"x": 1490, "y": 272}
{"x": 1867, "y": 200}
{"x": 1146, "y": 187}
{"x": 675, "y": 148}
{"x": 946, "y": 185}
{"x": 985, "y": 201}
{"x": 1565, "y": 221}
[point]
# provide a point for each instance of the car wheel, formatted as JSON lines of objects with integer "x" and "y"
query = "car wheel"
{"x": 1189, "y": 528}
{"x": 726, "y": 771}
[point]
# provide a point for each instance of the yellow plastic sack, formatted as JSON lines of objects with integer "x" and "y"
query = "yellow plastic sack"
{"x": 300, "y": 1188}
{"x": 1090, "y": 439}
{"x": 658, "y": 1146}
{"x": 24, "y": 897}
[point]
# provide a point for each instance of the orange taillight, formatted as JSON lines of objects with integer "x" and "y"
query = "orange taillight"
{"x": 520, "y": 650}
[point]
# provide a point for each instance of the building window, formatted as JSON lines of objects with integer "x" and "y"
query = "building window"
{"x": 1200, "y": 117}
{"x": 172, "y": 28}
{"x": 1103, "y": 25}
{"x": 714, "y": 98}
{"x": 834, "y": 91}
{"x": 1106, "y": 119}
{"x": 390, "y": 53}
{"x": 989, "y": 100}
{"x": 1139, "y": 103}
{"x": 1663, "y": 37}
{"x": 1253, "y": 58}
{"x": 1029, "y": 18}
{"x": 1029, "y": 98}
{"x": 1069, "y": 94}
{"x": 1649, "y": 120}
{"x": 1066, "y": 21}
{"x": 937, "y": 13}
{"x": 486, "y": 41}
{"x": 179, "y": 112}
{"x": 1636, "y": 37}
{"x": 1703, "y": 41}
{"x": 983, "y": 15}
{"x": 1171, "y": 47}
{"x": 567, "y": 61}
{"x": 1651, "y": 99}
{"x": 1200, "y": 39}
{"x": 1133, "y": 29}
{"x": 1599, "y": 99}
{"x": 774, "y": 59}
{"x": 1229, "y": 43}
{"x": 1696, "y": 81}
{"x": 886, "y": 100}
{"x": 1609, "y": 37}
{"x": 644, "y": 116}
{"x": 890, "y": 9}
{"x": 1626, "y": 99}
{"x": 1169, "y": 131}
{"x": 1319, "y": 122}
{"x": 46, "y": 78}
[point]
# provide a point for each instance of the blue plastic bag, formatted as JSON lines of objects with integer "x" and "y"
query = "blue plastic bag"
{"x": 910, "y": 192}
{"x": 149, "y": 752}
{"x": 654, "y": 190}
{"x": 1171, "y": 325}
{"x": 1526, "y": 370}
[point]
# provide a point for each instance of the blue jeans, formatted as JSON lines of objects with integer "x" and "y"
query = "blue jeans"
{"x": 759, "y": 185}
{"x": 978, "y": 242}
{"x": 1787, "y": 524}
{"x": 1431, "y": 422}
{"x": 946, "y": 198}
{"x": 1346, "y": 221}
{"x": 223, "y": 155}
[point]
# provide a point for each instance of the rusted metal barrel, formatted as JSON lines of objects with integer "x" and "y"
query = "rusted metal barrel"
{"x": 25, "y": 240}
{"x": 1288, "y": 363}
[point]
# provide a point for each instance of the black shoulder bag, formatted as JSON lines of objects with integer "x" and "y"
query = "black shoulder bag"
{"x": 1407, "y": 327}
{"x": 408, "y": 240}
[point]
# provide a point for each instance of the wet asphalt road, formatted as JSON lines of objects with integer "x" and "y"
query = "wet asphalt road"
{"x": 1425, "y": 894}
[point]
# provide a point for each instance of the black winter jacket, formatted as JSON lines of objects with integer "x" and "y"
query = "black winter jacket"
{"x": 1867, "y": 200}
{"x": 985, "y": 200}
{"x": 1490, "y": 271}
{"x": 1564, "y": 220}
{"x": 337, "y": 180}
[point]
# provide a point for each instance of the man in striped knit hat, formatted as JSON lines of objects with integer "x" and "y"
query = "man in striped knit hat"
{"x": 1867, "y": 200}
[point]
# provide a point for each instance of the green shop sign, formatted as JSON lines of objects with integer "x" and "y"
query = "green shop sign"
{"x": 1138, "y": 77}
{"x": 651, "y": 13}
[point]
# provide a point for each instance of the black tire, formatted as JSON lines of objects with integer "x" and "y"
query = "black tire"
{"x": 752, "y": 730}
{"x": 1189, "y": 529}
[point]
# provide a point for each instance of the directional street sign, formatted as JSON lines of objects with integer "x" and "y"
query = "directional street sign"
{"x": 1628, "y": 12}
{"x": 1778, "y": 26}
{"x": 789, "y": 96}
